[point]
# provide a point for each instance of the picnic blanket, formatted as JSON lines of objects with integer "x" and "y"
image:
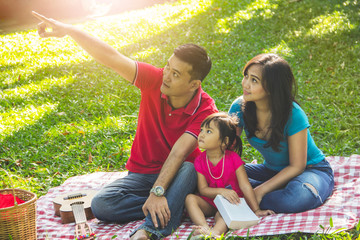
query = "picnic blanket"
{"x": 343, "y": 207}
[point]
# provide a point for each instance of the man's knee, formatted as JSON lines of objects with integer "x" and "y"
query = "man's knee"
{"x": 104, "y": 205}
{"x": 99, "y": 208}
{"x": 188, "y": 167}
{"x": 95, "y": 202}
{"x": 187, "y": 176}
{"x": 187, "y": 170}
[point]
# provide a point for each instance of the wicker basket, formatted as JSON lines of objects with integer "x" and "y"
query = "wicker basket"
{"x": 19, "y": 221}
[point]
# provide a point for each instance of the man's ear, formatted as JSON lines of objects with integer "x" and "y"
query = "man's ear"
{"x": 195, "y": 84}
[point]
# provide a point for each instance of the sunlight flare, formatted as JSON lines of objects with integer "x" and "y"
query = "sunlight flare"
{"x": 136, "y": 26}
{"x": 259, "y": 8}
{"x": 17, "y": 119}
{"x": 330, "y": 24}
{"x": 33, "y": 88}
{"x": 282, "y": 49}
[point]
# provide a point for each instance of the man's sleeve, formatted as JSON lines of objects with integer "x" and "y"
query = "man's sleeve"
{"x": 147, "y": 76}
{"x": 194, "y": 127}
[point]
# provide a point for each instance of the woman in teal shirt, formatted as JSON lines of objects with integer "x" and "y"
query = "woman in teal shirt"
{"x": 295, "y": 175}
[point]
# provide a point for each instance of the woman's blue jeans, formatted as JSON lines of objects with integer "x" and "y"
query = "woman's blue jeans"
{"x": 296, "y": 196}
{"x": 121, "y": 201}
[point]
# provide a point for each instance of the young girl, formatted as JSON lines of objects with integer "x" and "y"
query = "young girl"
{"x": 220, "y": 171}
{"x": 295, "y": 175}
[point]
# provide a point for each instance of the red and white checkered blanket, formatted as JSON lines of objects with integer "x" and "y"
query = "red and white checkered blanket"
{"x": 343, "y": 207}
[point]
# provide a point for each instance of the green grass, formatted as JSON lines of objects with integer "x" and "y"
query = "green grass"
{"x": 62, "y": 114}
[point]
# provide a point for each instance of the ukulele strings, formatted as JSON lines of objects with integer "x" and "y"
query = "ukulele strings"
{"x": 79, "y": 212}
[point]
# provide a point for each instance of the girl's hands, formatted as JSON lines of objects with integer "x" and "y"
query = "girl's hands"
{"x": 230, "y": 195}
{"x": 263, "y": 213}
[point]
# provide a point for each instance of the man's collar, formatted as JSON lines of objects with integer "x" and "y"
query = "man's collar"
{"x": 194, "y": 103}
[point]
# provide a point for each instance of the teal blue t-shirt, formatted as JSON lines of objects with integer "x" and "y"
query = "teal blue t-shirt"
{"x": 297, "y": 122}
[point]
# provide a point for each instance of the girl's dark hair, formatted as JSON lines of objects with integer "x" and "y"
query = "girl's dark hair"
{"x": 197, "y": 57}
{"x": 227, "y": 127}
{"x": 278, "y": 81}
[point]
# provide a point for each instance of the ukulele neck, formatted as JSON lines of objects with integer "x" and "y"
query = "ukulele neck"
{"x": 82, "y": 228}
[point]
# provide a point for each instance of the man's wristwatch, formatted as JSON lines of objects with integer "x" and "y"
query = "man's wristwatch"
{"x": 158, "y": 191}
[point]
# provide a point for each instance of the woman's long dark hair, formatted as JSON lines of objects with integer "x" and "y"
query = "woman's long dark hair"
{"x": 278, "y": 81}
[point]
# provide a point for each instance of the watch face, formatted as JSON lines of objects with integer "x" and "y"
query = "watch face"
{"x": 159, "y": 191}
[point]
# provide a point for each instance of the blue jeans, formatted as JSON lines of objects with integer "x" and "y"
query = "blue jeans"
{"x": 296, "y": 196}
{"x": 121, "y": 201}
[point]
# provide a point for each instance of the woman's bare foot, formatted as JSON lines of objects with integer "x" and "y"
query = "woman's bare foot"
{"x": 140, "y": 235}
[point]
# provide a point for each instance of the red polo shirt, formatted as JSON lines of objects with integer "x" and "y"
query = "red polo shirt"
{"x": 160, "y": 126}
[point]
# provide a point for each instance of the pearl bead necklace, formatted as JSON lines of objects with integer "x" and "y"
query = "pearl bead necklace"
{"x": 222, "y": 172}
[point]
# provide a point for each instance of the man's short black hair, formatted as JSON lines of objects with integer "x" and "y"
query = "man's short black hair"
{"x": 197, "y": 57}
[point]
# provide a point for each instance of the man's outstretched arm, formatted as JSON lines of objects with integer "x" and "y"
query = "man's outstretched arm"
{"x": 99, "y": 50}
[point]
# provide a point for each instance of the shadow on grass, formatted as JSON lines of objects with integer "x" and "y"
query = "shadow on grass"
{"x": 8, "y": 67}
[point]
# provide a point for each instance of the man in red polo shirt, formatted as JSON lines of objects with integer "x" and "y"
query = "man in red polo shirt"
{"x": 172, "y": 107}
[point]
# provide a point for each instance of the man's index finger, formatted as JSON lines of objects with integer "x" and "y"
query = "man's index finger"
{"x": 40, "y": 17}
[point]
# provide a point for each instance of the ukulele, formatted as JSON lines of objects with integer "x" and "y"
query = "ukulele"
{"x": 63, "y": 209}
{"x": 82, "y": 228}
